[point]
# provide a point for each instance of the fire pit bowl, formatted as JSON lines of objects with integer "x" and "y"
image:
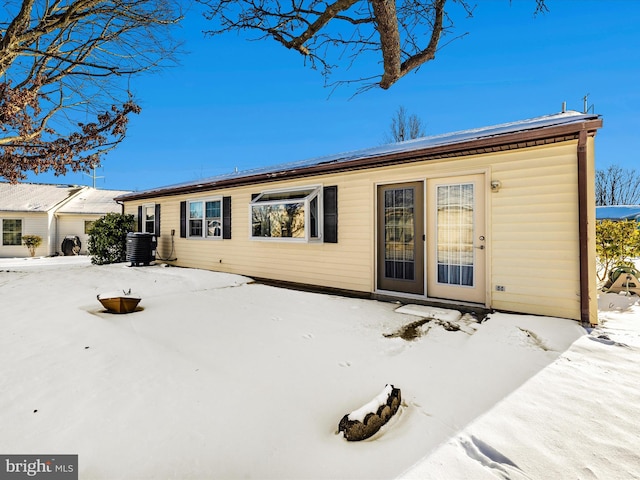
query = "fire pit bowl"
{"x": 116, "y": 302}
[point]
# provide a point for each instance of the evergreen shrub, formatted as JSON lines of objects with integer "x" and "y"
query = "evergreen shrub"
{"x": 617, "y": 244}
{"x": 108, "y": 238}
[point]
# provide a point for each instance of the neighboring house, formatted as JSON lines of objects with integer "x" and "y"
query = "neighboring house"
{"x": 52, "y": 212}
{"x": 501, "y": 217}
{"x": 618, "y": 212}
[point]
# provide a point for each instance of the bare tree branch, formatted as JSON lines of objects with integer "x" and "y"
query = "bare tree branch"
{"x": 404, "y": 34}
{"x": 63, "y": 62}
{"x": 404, "y": 127}
{"x": 617, "y": 186}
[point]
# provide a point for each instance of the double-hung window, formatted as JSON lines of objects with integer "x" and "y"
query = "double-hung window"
{"x": 205, "y": 218}
{"x": 11, "y": 231}
{"x": 149, "y": 218}
{"x": 287, "y": 214}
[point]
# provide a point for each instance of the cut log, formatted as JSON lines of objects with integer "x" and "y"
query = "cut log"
{"x": 368, "y": 419}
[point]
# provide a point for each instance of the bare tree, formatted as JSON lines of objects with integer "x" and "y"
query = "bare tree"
{"x": 65, "y": 67}
{"x": 404, "y": 127}
{"x": 617, "y": 186}
{"x": 403, "y": 34}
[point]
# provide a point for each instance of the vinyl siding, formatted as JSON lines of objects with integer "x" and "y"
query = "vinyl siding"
{"x": 591, "y": 232}
{"x": 345, "y": 265}
{"x": 532, "y": 230}
{"x": 72, "y": 225}
{"x": 32, "y": 224}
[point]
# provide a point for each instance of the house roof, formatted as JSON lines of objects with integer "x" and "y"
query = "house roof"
{"x": 70, "y": 199}
{"x": 618, "y": 212}
{"x": 93, "y": 201}
{"x": 534, "y": 131}
{"x": 33, "y": 197}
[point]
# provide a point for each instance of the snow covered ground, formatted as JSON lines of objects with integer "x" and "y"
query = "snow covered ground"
{"x": 218, "y": 377}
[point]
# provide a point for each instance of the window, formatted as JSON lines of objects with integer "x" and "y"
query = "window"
{"x": 88, "y": 225}
{"x": 149, "y": 218}
{"x": 11, "y": 231}
{"x": 205, "y": 218}
{"x": 455, "y": 224}
{"x": 287, "y": 214}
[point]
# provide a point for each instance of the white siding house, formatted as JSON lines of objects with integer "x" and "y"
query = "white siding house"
{"x": 50, "y": 211}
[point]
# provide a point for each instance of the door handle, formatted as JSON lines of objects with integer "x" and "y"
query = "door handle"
{"x": 481, "y": 247}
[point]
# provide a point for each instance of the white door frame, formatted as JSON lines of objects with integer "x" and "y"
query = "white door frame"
{"x": 475, "y": 247}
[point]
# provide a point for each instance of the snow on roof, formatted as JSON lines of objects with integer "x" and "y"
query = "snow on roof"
{"x": 564, "y": 118}
{"x": 618, "y": 212}
{"x": 93, "y": 201}
{"x": 33, "y": 197}
{"x": 39, "y": 197}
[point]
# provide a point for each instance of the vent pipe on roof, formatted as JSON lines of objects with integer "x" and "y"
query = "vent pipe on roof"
{"x": 586, "y": 105}
{"x": 564, "y": 107}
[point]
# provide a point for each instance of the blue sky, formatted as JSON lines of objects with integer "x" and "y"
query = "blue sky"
{"x": 232, "y": 103}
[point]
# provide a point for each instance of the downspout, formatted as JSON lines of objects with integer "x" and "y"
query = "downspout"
{"x": 583, "y": 218}
{"x": 122, "y": 205}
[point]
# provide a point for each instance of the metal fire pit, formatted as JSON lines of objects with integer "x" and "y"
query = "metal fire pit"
{"x": 119, "y": 303}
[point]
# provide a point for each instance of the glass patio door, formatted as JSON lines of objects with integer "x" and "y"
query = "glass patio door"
{"x": 401, "y": 238}
{"x": 456, "y": 240}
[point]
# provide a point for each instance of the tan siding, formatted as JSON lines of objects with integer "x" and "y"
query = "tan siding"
{"x": 564, "y": 310}
{"x": 532, "y": 236}
{"x": 591, "y": 233}
{"x": 535, "y": 252}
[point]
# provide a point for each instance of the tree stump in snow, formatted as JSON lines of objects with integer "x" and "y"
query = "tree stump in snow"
{"x": 368, "y": 419}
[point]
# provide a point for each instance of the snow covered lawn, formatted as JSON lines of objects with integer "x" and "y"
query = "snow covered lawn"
{"x": 217, "y": 377}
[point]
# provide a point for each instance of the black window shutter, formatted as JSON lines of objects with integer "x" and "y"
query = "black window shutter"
{"x": 183, "y": 219}
{"x": 330, "y": 207}
{"x": 226, "y": 217}
{"x": 140, "y": 218}
{"x": 157, "y": 221}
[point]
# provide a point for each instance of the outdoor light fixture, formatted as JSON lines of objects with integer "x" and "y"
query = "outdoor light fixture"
{"x": 495, "y": 185}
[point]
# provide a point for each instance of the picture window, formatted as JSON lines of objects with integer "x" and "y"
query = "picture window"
{"x": 287, "y": 214}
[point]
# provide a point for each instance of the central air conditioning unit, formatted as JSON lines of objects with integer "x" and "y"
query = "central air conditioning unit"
{"x": 141, "y": 248}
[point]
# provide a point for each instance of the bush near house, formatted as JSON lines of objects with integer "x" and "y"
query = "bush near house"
{"x": 108, "y": 238}
{"x": 32, "y": 242}
{"x": 617, "y": 242}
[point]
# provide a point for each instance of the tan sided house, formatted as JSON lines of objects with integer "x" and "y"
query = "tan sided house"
{"x": 501, "y": 217}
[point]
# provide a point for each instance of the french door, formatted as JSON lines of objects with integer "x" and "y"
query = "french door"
{"x": 456, "y": 254}
{"x": 401, "y": 237}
